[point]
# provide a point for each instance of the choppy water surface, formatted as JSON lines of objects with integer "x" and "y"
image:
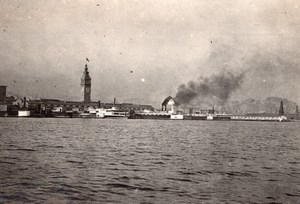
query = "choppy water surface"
{"x": 148, "y": 161}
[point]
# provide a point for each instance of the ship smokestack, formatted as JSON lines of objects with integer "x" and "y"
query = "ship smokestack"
{"x": 24, "y": 102}
{"x": 190, "y": 111}
{"x": 281, "y": 110}
{"x": 99, "y": 104}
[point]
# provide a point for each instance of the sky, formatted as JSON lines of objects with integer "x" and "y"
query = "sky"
{"x": 141, "y": 51}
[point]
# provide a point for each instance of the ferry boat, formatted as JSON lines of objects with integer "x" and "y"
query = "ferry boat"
{"x": 111, "y": 113}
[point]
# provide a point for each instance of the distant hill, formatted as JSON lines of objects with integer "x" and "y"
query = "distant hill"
{"x": 269, "y": 105}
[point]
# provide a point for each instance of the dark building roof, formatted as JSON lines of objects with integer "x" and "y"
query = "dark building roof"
{"x": 166, "y": 101}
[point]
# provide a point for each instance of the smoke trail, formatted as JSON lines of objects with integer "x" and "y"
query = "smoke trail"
{"x": 217, "y": 88}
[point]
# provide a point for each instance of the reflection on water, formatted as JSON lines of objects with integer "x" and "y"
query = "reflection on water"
{"x": 148, "y": 161}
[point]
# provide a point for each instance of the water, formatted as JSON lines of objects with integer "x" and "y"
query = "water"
{"x": 148, "y": 161}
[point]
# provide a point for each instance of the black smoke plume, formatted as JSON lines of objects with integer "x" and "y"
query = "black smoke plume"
{"x": 216, "y": 88}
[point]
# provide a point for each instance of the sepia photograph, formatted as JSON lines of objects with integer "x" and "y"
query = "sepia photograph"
{"x": 150, "y": 101}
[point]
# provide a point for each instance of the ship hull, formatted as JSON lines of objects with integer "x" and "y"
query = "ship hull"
{"x": 150, "y": 116}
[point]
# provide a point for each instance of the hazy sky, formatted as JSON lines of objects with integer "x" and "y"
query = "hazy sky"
{"x": 44, "y": 45}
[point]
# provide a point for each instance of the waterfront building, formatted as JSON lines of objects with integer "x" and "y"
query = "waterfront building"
{"x": 7, "y": 103}
{"x": 3, "y": 106}
{"x": 53, "y": 107}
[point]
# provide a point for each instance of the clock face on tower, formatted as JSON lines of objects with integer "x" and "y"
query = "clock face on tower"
{"x": 87, "y": 90}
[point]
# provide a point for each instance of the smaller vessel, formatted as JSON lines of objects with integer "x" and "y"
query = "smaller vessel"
{"x": 24, "y": 112}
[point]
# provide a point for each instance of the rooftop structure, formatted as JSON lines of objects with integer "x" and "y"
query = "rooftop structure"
{"x": 169, "y": 101}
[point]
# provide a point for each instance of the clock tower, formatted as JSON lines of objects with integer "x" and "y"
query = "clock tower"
{"x": 86, "y": 85}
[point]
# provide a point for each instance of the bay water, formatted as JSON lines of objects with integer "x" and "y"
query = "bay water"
{"x": 56, "y": 160}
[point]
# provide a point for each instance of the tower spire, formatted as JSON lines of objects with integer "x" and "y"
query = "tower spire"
{"x": 86, "y": 85}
